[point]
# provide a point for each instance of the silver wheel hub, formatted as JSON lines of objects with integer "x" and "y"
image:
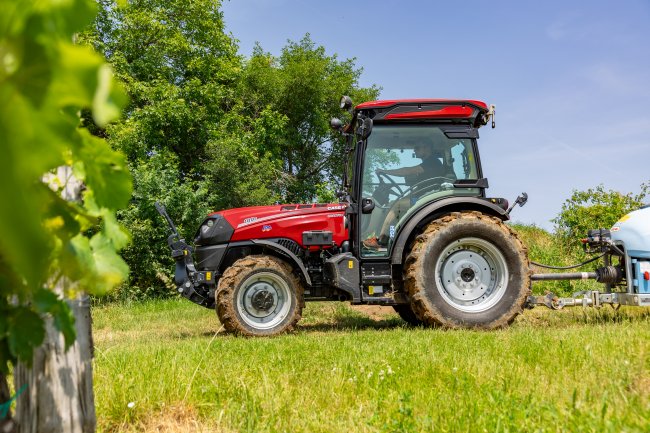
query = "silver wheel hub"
{"x": 264, "y": 300}
{"x": 471, "y": 274}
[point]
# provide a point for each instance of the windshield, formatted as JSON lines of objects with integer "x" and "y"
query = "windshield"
{"x": 405, "y": 167}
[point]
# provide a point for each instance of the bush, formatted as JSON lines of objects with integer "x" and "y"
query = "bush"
{"x": 595, "y": 208}
{"x": 152, "y": 268}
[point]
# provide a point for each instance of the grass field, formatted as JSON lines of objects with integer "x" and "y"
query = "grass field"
{"x": 163, "y": 366}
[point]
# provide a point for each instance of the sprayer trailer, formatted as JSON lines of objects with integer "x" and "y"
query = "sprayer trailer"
{"x": 625, "y": 273}
{"x": 414, "y": 230}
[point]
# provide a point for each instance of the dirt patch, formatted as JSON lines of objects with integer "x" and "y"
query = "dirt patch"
{"x": 375, "y": 312}
{"x": 174, "y": 419}
{"x": 642, "y": 386}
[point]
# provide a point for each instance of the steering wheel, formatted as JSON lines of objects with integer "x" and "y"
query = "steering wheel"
{"x": 432, "y": 183}
{"x": 385, "y": 189}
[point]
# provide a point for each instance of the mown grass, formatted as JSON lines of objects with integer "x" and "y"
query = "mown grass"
{"x": 567, "y": 371}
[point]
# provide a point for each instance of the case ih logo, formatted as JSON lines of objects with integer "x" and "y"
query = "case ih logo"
{"x": 335, "y": 207}
{"x": 266, "y": 228}
{"x": 250, "y": 220}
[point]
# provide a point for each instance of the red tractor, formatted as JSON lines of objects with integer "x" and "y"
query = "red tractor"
{"x": 414, "y": 230}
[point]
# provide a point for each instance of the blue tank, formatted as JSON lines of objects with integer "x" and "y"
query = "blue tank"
{"x": 633, "y": 233}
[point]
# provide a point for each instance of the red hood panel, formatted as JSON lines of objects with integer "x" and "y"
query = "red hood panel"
{"x": 286, "y": 221}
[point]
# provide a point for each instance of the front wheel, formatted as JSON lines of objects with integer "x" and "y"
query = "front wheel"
{"x": 259, "y": 296}
{"x": 468, "y": 270}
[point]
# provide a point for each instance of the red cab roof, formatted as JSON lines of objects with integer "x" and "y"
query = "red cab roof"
{"x": 453, "y": 110}
{"x": 390, "y": 102}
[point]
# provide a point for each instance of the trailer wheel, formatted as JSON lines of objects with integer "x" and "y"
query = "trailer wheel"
{"x": 468, "y": 270}
{"x": 406, "y": 313}
{"x": 259, "y": 296}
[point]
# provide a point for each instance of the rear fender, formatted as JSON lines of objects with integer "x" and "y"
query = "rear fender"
{"x": 435, "y": 210}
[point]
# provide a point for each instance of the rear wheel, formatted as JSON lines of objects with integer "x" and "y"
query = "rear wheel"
{"x": 259, "y": 296}
{"x": 468, "y": 270}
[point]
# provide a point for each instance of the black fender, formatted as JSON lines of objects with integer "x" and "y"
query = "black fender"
{"x": 435, "y": 209}
{"x": 285, "y": 252}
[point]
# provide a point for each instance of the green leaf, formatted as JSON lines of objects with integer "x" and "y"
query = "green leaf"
{"x": 114, "y": 231}
{"x": 76, "y": 76}
{"x": 109, "y": 97}
{"x": 64, "y": 322}
{"x": 24, "y": 162}
{"x": 110, "y": 270}
{"x": 62, "y": 218}
{"x": 106, "y": 173}
{"x": 62, "y": 18}
{"x": 5, "y": 356}
{"x": 77, "y": 258}
{"x": 26, "y": 332}
{"x": 34, "y": 74}
{"x": 84, "y": 80}
{"x": 45, "y": 301}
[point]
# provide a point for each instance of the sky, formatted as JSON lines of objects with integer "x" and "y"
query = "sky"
{"x": 570, "y": 79}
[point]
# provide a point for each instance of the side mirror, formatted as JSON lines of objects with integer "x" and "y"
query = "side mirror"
{"x": 336, "y": 124}
{"x": 346, "y": 103}
{"x": 365, "y": 128}
{"x": 367, "y": 205}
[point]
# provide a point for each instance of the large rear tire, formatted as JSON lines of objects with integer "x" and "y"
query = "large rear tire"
{"x": 259, "y": 296}
{"x": 468, "y": 270}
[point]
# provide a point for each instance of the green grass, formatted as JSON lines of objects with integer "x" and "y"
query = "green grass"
{"x": 567, "y": 371}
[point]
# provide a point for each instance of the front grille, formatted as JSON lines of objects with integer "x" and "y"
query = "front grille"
{"x": 290, "y": 245}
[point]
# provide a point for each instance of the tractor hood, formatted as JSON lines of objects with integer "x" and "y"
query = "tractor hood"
{"x": 276, "y": 221}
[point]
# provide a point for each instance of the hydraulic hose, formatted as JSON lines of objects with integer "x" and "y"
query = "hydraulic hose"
{"x": 568, "y": 267}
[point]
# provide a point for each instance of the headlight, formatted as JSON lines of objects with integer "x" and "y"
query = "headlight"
{"x": 214, "y": 230}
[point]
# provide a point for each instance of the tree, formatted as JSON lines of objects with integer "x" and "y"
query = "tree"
{"x": 44, "y": 82}
{"x": 178, "y": 67}
{"x": 595, "y": 208}
{"x": 303, "y": 85}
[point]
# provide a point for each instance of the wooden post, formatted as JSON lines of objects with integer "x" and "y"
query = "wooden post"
{"x": 6, "y": 424}
{"x": 59, "y": 394}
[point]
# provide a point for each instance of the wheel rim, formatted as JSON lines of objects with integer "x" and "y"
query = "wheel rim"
{"x": 264, "y": 300}
{"x": 471, "y": 274}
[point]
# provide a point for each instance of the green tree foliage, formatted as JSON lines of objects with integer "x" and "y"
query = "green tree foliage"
{"x": 178, "y": 67}
{"x": 595, "y": 208}
{"x": 44, "y": 82}
{"x": 303, "y": 84}
{"x": 207, "y": 129}
{"x": 180, "y": 70}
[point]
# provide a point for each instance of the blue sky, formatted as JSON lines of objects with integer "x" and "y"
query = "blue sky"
{"x": 570, "y": 79}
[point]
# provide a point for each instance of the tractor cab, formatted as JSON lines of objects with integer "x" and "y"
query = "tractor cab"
{"x": 404, "y": 156}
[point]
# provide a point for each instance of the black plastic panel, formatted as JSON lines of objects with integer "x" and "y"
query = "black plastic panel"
{"x": 210, "y": 257}
{"x": 317, "y": 237}
{"x": 342, "y": 272}
{"x": 214, "y": 230}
